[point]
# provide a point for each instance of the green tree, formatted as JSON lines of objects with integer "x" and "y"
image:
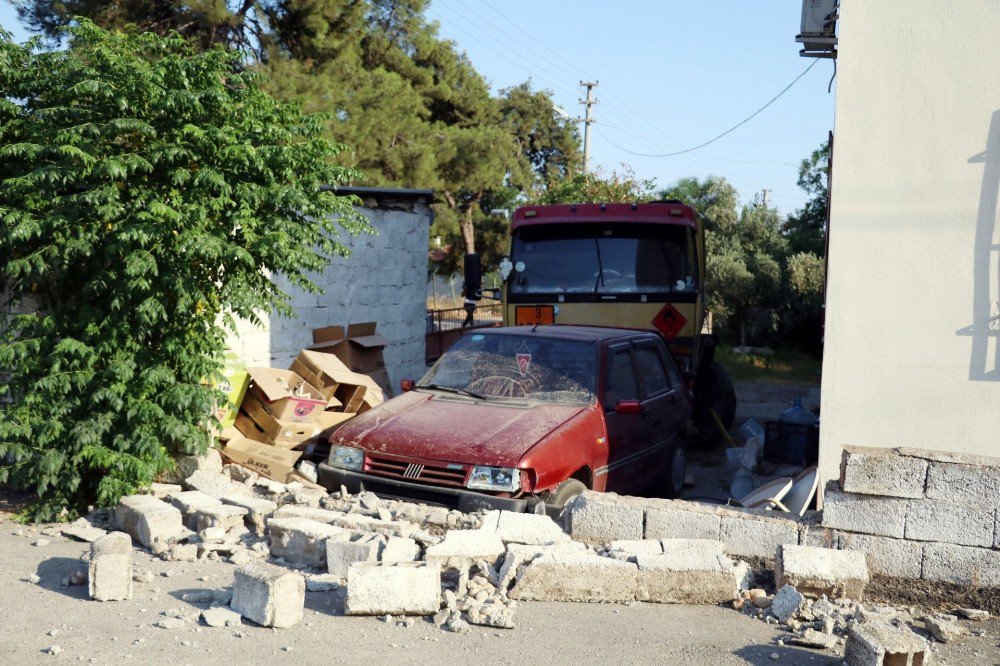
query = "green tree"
{"x": 806, "y": 227}
{"x": 146, "y": 192}
{"x": 596, "y": 187}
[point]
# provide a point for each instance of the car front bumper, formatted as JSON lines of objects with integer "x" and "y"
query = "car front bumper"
{"x": 466, "y": 501}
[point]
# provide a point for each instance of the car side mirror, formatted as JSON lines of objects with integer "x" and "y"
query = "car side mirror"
{"x": 628, "y": 407}
{"x": 407, "y": 385}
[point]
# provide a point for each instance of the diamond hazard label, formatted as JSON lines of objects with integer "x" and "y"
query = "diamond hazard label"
{"x": 669, "y": 321}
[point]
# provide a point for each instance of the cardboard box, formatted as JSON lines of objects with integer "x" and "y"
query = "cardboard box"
{"x": 277, "y": 391}
{"x": 328, "y": 422}
{"x": 256, "y": 424}
{"x": 360, "y": 395}
{"x": 234, "y": 382}
{"x": 359, "y": 347}
{"x": 269, "y": 461}
{"x": 324, "y": 371}
{"x": 381, "y": 377}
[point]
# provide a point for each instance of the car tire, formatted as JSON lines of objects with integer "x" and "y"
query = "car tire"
{"x": 564, "y": 492}
{"x": 713, "y": 391}
{"x": 671, "y": 484}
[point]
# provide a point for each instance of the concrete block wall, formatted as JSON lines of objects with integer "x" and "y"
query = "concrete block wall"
{"x": 384, "y": 280}
{"x": 919, "y": 513}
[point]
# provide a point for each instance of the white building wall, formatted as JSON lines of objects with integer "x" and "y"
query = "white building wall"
{"x": 384, "y": 280}
{"x": 913, "y": 304}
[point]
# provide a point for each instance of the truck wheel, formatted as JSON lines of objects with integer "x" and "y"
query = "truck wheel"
{"x": 713, "y": 390}
{"x": 671, "y": 484}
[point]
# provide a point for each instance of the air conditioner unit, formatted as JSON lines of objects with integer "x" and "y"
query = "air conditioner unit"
{"x": 819, "y": 29}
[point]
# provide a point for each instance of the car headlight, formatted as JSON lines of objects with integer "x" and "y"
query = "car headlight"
{"x": 495, "y": 478}
{"x": 347, "y": 457}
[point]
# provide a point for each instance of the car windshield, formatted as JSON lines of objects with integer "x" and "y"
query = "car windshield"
{"x": 597, "y": 259}
{"x": 532, "y": 367}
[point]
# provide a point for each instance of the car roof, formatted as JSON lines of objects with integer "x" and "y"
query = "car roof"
{"x": 569, "y": 332}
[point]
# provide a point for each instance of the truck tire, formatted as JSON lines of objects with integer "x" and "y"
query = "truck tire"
{"x": 713, "y": 389}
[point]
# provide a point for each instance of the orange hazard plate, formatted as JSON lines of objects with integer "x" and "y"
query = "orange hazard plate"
{"x": 529, "y": 315}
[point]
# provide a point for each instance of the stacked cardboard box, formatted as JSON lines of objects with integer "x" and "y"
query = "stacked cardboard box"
{"x": 359, "y": 347}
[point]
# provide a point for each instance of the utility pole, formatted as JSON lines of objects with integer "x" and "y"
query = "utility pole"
{"x": 587, "y": 120}
{"x": 764, "y": 198}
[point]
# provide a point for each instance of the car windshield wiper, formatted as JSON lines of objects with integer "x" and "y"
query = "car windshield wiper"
{"x": 600, "y": 266}
{"x": 451, "y": 389}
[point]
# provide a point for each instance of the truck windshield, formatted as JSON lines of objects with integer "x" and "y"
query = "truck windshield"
{"x": 603, "y": 259}
{"x": 517, "y": 366}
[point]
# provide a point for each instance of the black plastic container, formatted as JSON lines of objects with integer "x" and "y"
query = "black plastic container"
{"x": 791, "y": 442}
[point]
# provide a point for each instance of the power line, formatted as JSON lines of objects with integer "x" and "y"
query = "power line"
{"x": 731, "y": 129}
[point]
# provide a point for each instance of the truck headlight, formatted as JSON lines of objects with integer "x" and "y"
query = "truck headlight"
{"x": 495, "y": 478}
{"x": 347, "y": 457}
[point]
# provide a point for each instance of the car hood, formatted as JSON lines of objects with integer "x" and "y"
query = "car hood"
{"x": 453, "y": 428}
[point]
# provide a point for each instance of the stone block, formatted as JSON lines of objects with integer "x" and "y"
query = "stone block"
{"x": 968, "y": 484}
{"x": 576, "y": 577}
{"x": 689, "y": 571}
{"x": 340, "y": 555}
{"x": 886, "y": 556}
{"x": 750, "y": 535}
{"x": 400, "y": 549}
{"x": 164, "y": 490}
{"x": 467, "y": 545}
{"x": 110, "y": 567}
{"x": 216, "y": 484}
{"x": 817, "y": 536}
{"x": 210, "y": 461}
{"x": 190, "y": 501}
{"x": 786, "y": 603}
{"x": 526, "y": 528}
{"x": 962, "y": 565}
{"x": 269, "y": 595}
{"x": 882, "y": 516}
{"x": 629, "y": 549}
{"x": 360, "y": 523}
{"x": 882, "y": 472}
{"x": 258, "y": 510}
{"x": 882, "y": 644}
{"x": 319, "y": 515}
{"x": 225, "y": 516}
{"x": 604, "y": 517}
{"x": 148, "y": 519}
{"x": 821, "y": 571}
{"x": 397, "y": 589}
{"x": 301, "y": 541}
{"x": 677, "y": 522}
{"x": 947, "y": 522}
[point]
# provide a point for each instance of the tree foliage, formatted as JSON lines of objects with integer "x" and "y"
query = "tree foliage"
{"x": 146, "y": 193}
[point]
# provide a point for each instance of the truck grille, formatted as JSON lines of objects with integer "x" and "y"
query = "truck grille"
{"x": 436, "y": 473}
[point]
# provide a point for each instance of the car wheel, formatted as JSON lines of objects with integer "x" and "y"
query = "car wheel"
{"x": 564, "y": 492}
{"x": 671, "y": 484}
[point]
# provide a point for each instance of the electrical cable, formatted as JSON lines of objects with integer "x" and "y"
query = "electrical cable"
{"x": 731, "y": 129}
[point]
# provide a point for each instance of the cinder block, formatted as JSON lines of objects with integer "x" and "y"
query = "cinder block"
{"x": 604, "y": 517}
{"x": 882, "y": 644}
{"x": 947, "y": 522}
{"x": 576, "y": 577}
{"x": 882, "y": 472}
{"x": 400, "y": 549}
{"x": 962, "y": 565}
{"x": 340, "y": 555}
{"x": 469, "y": 545}
{"x": 300, "y": 540}
{"x": 968, "y": 484}
{"x": 398, "y": 589}
{"x": 190, "y": 501}
{"x": 817, "y": 536}
{"x": 630, "y": 549}
{"x": 110, "y": 568}
{"x": 883, "y": 516}
{"x": 821, "y": 571}
{"x": 527, "y": 528}
{"x": 689, "y": 571}
{"x": 226, "y": 516}
{"x": 258, "y": 510}
{"x": 886, "y": 556}
{"x": 676, "y": 521}
{"x": 269, "y": 595}
{"x": 749, "y": 535}
{"x": 318, "y": 515}
{"x": 148, "y": 519}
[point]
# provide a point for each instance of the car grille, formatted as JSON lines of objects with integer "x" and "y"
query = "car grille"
{"x": 436, "y": 474}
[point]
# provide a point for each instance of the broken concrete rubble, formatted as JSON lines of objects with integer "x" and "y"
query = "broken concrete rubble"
{"x": 786, "y": 603}
{"x": 576, "y": 577}
{"x": 693, "y": 571}
{"x": 880, "y": 644}
{"x": 269, "y": 595}
{"x": 821, "y": 571}
{"x": 341, "y": 554}
{"x": 148, "y": 519}
{"x": 110, "y": 567}
{"x": 301, "y": 541}
{"x": 398, "y": 589}
{"x": 468, "y": 545}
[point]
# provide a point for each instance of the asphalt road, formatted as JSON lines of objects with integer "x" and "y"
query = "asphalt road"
{"x": 547, "y": 633}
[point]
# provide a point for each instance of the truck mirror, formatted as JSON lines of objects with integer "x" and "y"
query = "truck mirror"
{"x": 473, "y": 277}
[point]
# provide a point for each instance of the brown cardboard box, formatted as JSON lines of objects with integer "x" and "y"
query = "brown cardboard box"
{"x": 269, "y": 461}
{"x": 328, "y": 422}
{"x": 324, "y": 371}
{"x": 359, "y": 347}
{"x": 360, "y": 395}
{"x": 381, "y": 377}
{"x": 256, "y": 424}
{"x": 275, "y": 389}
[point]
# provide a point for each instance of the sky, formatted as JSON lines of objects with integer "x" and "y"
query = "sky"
{"x": 672, "y": 74}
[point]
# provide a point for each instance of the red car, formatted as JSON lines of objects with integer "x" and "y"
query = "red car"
{"x": 511, "y": 417}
